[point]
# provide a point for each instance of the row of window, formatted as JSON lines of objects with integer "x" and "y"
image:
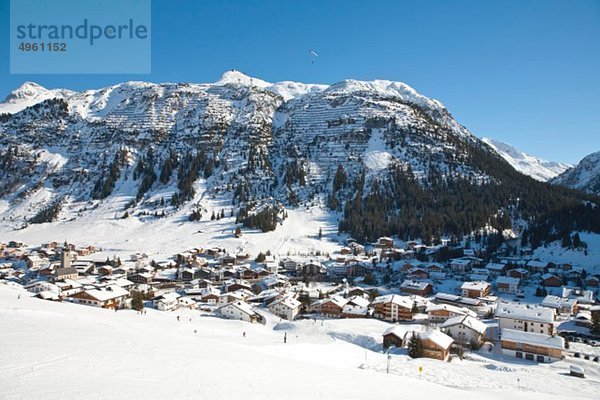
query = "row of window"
{"x": 530, "y": 357}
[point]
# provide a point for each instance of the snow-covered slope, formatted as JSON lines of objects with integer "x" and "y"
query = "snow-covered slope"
{"x": 585, "y": 176}
{"x": 29, "y": 94}
{"x": 536, "y": 167}
{"x": 67, "y": 351}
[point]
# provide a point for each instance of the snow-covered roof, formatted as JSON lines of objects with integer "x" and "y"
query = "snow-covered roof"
{"x": 109, "y": 293}
{"x": 438, "y": 337}
{"x": 495, "y": 267}
{"x": 467, "y": 321}
{"x": 410, "y": 284}
{"x": 396, "y": 330}
{"x": 536, "y": 339}
{"x": 404, "y": 301}
{"x": 557, "y": 302}
{"x": 288, "y": 302}
{"x": 451, "y": 308}
{"x": 507, "y": 280}
{"x": 525, "y": 312}
{"x": 475, "y": 285}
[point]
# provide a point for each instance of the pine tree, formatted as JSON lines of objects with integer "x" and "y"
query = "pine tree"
{"x": 415, "y": 346}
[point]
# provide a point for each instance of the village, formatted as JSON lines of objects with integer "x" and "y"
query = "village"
{"x": 441, "y": 302}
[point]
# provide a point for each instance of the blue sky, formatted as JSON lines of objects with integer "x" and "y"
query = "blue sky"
{"x": 525, "y": 72}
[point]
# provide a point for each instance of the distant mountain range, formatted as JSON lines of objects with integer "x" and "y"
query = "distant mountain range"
{"x": 537, "y": 168}
{"x": 584, "y": 176}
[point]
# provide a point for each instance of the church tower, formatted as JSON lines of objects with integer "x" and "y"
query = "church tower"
{"x": 65, "y": 256}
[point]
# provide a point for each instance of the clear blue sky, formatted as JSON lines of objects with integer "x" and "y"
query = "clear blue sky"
{"x": 522, "y": 71}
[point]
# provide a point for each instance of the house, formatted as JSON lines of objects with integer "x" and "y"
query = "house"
{"x": 519, "y": 273}
{"x": 105, "y": 270}
{"x": 65, "y": 273}
{"x": 562, "y": 305}
{"x": 526, "y": 318}
{"x": 239, "y": 310}
{"x": 286, "y": 308}
{"x": 532, "y": 346}
{"x": 495, "y": 269}
{"x": 333, "y": 306}
{"x": 436, "y": 345}
{"x": 466, "y": 330}
{"x": 475, "y": 289}
{"x": 108, "y": 297}
{"x": 460, "y": 265}
{"x": 385, "y": 242}
{"x": 355, "y": 307}
{"x": 593, "y": 281}
{"x": 396, "y": 336}
{"x": 210, "y": 295}
{"x": 439, "y": 313}
{"x": 418, "y": 273}
{"x": 418, "y": 288}
{"x": 167, "y": 301}
{"x": 141, "y": 278}
{"x": 537, "y": 266}
{"x": 507, "y": 284}
{"x": 551, "y": 280}
{"x": 35, "y": 261}
{"x": 393, "y": 307}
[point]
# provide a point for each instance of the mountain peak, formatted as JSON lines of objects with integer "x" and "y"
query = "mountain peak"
{"x": 239, "y": 78}
{"x": 537, "y": 168}
{"x": 26, "y": 90}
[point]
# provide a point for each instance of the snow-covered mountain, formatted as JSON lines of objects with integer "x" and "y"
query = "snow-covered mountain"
{"x": 144, "y": 151}
{"x": 537, "y": 168}
{"x": 584, "y": 176}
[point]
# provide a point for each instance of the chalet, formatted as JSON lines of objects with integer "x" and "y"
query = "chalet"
{"x": 109, "y": 297}
{"x": 356, "y": 269}
{"x": 507, "y": 284}
{"x": 232, "y": 297}
{"x": 34, "y": 261}
{"x": 417, "y": 273}
{"x": 583, "y": 318}
{"x": 435, "y": 268}
{"x": 496, "y": 269}
{"x": 447, "y": 298}
{"x": 417, "y": 288}
{"x": 357, "y": 291}
{"x": 210, "y": 295}
{"x": 465, "y": 330}
{"x": 439, "y": 313}
{"x": 239, "y": 310}
{"x": 333, "y": 306}
{"x": 395, "y": 336}
{"x": 167, "y": 301}
{"x": 141, "y": 278}
{"x": 228, "y": 260}
{"x": 526, "y": 318}
{"x": 532, "y": 346}
{"x": 460, "y": 265}
{"x": 65, "y": 273}
{"x": 385, "y": 242}
{"x": 519, "y": 273}
{"x": 286, "y": 308}
{"x": 355, "y": 307}
{"x": 393, "y": 307}
{"x": 475, "y": 289}
{"x": 582, "y": 296}
{"x": 104, "y": 270}
{"x": 561, "y": 305}
{"x": 537, "y": 266}
{"x": 551, "y": 280}
{"x": 312, "y": 268}
{"x": 345, "y": 251}
{"x": 237, "y": 285}
{"x": 436, "y": 345}
{"x": 188, "y": 274}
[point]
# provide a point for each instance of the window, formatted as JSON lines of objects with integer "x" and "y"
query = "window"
{"x": 540, "y": 358}
{"x": 529, "y": 357}
{"x": 518, "y": 354}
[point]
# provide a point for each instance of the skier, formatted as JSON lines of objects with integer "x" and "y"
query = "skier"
{"x": 285, "y": 338}
{"x": 244, "y": 334}
{"x": 178, "y": 318}
{"x": 19, "y": 297}
{"x": 195, "y": 331}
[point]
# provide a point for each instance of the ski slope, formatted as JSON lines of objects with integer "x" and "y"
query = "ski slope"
{"x": 66, "y": 351}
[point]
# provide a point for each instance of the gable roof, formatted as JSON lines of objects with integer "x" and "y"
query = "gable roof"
{"x": 438, "y": 337}
{"x": 536, "y": 339}
{"x": 468, "y": 321}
